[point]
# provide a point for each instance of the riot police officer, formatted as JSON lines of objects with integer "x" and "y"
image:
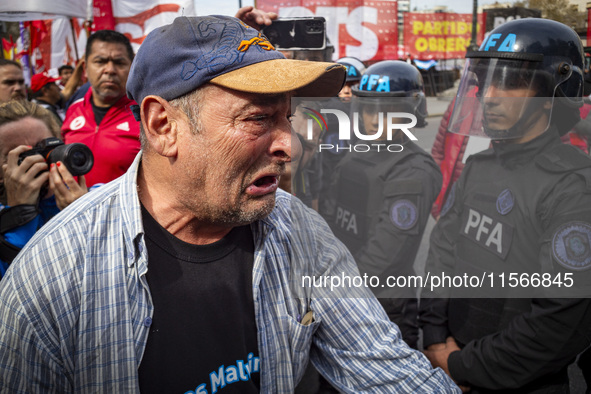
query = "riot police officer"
{"x": 355, "y": 68}
{"x": 386, "y": 185}
{"x": 521, "y": 209}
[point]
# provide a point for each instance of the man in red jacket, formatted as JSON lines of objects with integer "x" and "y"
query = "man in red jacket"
{"x": 103, "y": 119}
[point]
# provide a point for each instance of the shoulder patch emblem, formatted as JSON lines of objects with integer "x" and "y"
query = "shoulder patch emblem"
{"x": 505, "y": 202}
{"x": 571, "y": 246}
{"x": 404, "y": 214}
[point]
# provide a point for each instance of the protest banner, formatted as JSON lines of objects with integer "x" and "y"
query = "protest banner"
{"x": 439, "y": 35}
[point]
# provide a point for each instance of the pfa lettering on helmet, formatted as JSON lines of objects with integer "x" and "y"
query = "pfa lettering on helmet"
{"x": 354, "y": 66}
{"x": 351, "y": 71}
{"x": 375, "y": 83}
{"x": 499, "y": 42}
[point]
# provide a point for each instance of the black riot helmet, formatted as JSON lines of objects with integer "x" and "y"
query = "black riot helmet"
{"x": 529, "y": 70}
{"x": 394, "y": 85}
{"x": 355, "y": 68}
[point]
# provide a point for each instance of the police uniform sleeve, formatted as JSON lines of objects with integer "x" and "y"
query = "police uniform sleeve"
{"x": 433, "y": 304}
{"x": 555, "y": 330}
{"x": 537, "y": 343}
{"x": 395, "y": 236}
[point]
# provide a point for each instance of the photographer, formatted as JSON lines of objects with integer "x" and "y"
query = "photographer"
{"x": 23, "y": 208}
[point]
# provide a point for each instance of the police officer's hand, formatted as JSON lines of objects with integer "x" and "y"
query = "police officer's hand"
{"x": 438, "y": 353}
{"x": 64, "y": 186}
{"x": 23, "y": 182}
{"x": 255, "y": 18}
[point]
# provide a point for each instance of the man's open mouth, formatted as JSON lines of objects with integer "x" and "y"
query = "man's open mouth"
{"x": 265, "y": 181}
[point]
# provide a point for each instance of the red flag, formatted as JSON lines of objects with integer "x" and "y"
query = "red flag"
{"x": 103, "y": 15}
{"x": 37, "y": 31}
{"x": 9, "y": 49}
{"x": 40, "y": 44}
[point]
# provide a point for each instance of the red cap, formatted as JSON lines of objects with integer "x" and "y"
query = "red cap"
{"x": 40, "y": 80}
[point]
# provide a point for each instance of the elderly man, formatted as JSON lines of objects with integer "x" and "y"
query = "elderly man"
{"x": 12, "y": 82}
{"x": 183, "y": 275}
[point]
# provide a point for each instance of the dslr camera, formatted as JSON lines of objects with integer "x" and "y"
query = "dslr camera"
{"x": 77, "y": 157}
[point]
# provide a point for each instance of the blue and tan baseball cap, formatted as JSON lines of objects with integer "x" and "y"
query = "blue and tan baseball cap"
{"x": 178, "y": 58}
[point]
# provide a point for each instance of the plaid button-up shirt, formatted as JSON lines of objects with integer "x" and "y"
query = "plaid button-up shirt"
{"x": 75, "y": 308}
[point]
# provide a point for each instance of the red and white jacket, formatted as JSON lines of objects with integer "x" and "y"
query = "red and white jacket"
{"x": 114, "y": 143}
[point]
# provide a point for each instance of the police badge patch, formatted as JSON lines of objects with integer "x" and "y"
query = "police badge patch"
{"x": 404, "y": 214}
{"x": 571, "y": 246}
{"x": 505, "y": 202}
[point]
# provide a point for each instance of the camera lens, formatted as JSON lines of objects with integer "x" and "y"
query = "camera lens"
{"x": 77, "y": 158}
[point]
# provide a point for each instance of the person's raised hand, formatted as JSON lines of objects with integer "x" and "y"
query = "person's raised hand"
{"x": 23, "y": 182}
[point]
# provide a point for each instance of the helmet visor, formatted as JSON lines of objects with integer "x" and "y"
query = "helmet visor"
{"x": 502, "y": 99}
{"x": 375, "y": 112}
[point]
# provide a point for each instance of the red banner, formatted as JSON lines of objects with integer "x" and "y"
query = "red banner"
{"x": 103, "y": 15}
{"x": 439, "y": 35}
{"x": 367, "y": 30}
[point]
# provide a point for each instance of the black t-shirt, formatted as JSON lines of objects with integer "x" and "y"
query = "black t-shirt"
{"x": 99, "y": 112}
{"x": 203, "y": 337}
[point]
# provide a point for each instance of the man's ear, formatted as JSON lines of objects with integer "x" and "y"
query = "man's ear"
{"x": 160, "y": 123}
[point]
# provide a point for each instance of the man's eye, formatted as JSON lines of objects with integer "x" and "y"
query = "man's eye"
{"x": 258, "y": 118}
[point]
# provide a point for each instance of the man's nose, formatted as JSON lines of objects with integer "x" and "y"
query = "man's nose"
{"x": 18, "y": 85}
{"x": 491, "y": 92}
{"x": 110, "y": 68}
{"x": 281, "y": 146}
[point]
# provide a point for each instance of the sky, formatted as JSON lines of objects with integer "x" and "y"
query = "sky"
{"x": 229, "y": 7}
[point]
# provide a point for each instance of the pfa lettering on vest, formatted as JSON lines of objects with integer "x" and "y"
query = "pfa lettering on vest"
{"x": 346, "y": 220}
{"x": 488, "y": 232}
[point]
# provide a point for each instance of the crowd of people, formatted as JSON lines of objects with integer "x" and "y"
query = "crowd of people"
{"x": 176, "y": 263}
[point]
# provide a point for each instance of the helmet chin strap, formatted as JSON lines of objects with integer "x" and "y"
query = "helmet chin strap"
{"x": 525, "y": 122}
